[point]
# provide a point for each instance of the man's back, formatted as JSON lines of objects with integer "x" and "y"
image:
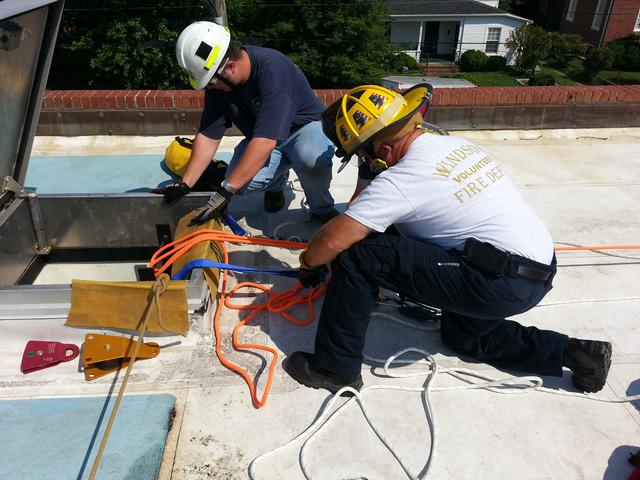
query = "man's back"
{"x": 445, "y": 190}
{"x": 276, "y": 100}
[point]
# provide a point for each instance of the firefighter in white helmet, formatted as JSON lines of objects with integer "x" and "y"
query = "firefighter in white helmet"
{"x": 467, "y": 244}
{"x": 269, "y": 99}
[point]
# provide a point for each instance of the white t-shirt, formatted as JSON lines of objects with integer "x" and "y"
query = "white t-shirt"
{"x": 445, "y": 190}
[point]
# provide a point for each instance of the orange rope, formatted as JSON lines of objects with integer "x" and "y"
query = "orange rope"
{"x": 277, "y": 302}
{"x": 602, "y": 247}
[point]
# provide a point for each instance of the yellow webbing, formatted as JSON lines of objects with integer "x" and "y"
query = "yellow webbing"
{"x": 205, "y": 250}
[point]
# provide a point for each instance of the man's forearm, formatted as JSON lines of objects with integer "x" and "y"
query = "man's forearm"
{"x": 251, "y": 161}
{"x": 332, "y": 239}
{"x": 204, "y": 149}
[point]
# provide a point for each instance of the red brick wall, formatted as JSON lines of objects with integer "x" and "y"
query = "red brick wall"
{"x": 55, "y": 100}
{"x": 622, "y": 20}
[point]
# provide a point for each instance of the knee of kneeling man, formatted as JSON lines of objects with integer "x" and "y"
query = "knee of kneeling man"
{"x": 317, "y": 161}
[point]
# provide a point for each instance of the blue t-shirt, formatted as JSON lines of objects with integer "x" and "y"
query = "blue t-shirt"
{"x": 275, "y": 101}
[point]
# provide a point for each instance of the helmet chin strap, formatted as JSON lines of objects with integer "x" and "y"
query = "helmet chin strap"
{"x": 379, "y": 165}
{"x": 227, "y": 82}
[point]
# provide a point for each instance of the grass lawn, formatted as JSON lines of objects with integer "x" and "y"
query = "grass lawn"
{"x": 557, "y": 76}
{"x": 620, "y": 78}
{"x": 487, "y": 79}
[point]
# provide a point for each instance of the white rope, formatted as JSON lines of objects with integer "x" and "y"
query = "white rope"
{"x": 585, "y": 300}
{"x": 511, "y": 385}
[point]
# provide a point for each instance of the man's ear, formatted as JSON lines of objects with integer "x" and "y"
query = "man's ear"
{"x": 385, "y": 151}
{"x": 232, "y": 66}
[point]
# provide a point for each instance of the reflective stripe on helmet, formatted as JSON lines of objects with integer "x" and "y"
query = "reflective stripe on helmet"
{"x": 212, "y": 58}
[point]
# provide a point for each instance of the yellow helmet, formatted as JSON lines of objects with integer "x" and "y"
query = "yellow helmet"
{"x": 364, "y": 113}
{"x": 177, "y": 155}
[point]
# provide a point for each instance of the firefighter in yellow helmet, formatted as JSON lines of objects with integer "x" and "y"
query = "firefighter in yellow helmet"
{"x": 466, "y": 243}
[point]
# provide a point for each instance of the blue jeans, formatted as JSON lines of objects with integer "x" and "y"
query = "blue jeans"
{"x": 309, "y": 152}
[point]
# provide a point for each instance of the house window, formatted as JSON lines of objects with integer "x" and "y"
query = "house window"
{"x": 571, "y": 11}
{"x": 493, "y": 40}
{"x": 598, "y": 16}
{"x": 637, "y": 27}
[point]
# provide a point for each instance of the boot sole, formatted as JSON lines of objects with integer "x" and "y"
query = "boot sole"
{"x": 597, "y": 381}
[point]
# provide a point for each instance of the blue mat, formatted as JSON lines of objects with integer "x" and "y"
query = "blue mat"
{"x": 98, "y": 173}
{"x": 58, "y": 438}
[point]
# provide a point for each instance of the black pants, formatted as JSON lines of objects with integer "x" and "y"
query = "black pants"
{"x": 474, "y": 306}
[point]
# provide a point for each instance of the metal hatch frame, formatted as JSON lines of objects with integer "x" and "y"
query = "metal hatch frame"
{"x": 35, "y": 227}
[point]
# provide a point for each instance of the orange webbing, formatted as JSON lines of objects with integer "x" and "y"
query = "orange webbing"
{"x": 277, "y": 302}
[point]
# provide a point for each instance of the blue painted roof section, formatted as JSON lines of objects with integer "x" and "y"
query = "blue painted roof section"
{"x": 35, "y": 434}
{"x": 99, "y": 173}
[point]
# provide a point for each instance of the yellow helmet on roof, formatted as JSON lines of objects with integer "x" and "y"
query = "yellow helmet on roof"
{"x": 363, "y": 113}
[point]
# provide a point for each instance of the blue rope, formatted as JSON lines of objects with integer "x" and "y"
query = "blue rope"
{"x": 182, "y": 274}
{"x": 233, "y": 225}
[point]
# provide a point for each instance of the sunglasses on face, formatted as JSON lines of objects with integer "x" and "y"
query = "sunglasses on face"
{"x": 218, "y": 75}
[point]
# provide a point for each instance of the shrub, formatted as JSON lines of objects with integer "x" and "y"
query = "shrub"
{"x": 599, "y": 59}
{"x": 564, "y": 47}
{"x": 530, "y": 44}
{"x": 402, "y": 61}
{"x": 626, "y": 53}
{"x": 542, "y": 79}
{"x": 618, "y": 51}
{"x": 575, "y": 69}
{"x": 474, "y": 61}
{"x": 496, "y": 63}
{"x": 632, "y": 57}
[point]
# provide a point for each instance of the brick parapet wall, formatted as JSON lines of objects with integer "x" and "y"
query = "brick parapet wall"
{"x": 60, "y": 100}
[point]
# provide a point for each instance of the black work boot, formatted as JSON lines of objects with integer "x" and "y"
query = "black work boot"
{"x": 273, "y": 201}
{"x": 298, "y": 366}
{"x": 589, "y": 360}
{"x": 325, "y": 217}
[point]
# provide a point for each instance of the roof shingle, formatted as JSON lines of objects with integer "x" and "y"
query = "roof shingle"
{"x": 441, "y": 7}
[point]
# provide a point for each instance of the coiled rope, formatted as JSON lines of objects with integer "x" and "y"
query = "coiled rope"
{"x": 511, "y": 385}
{"x": 277, "y": 302}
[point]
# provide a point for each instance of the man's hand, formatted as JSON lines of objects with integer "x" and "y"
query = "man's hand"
{"x": 310, "y": 277}
{"x": 172, "y": 191}
{"x": 216, "y": 206}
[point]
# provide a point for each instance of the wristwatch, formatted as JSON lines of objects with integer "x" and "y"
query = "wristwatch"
{"x": 225, "y": 184}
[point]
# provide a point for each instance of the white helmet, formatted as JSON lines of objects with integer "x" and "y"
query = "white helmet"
{"x": 202, "y": 50}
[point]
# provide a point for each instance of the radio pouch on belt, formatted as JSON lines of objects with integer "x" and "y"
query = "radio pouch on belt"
{"x": 485, "y": 257}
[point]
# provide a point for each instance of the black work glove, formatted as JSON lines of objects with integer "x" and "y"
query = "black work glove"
{"x": 172, "y": 191}
{"x": 312, "y": 277}
{"x": 216, "y": 206}
{"x": 308, "y": 276}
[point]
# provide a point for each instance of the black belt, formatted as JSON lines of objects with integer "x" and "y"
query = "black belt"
{"x": 491, "y": 260}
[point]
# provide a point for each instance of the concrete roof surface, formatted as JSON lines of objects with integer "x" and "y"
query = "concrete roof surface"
{"x": 585, "y": 184}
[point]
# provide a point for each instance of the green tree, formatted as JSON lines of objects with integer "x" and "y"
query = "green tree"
{"x": 511, "y": 5}
{"x": 530, "y": 44}
{"x": 564, "y": 48}
{"x": 113, "y": 44}
{"x": 599, "y": 59}
{"x": 341, "y": 45}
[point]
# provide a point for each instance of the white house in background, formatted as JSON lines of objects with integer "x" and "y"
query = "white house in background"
{"x": 447, "y": 28}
